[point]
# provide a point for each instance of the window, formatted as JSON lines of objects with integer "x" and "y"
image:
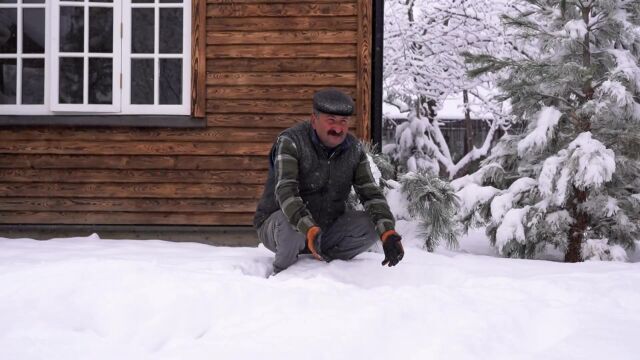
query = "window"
{"x": 95, "y": 56}
{"x": 22, "y": 56}
{"x": 85, "y": 53}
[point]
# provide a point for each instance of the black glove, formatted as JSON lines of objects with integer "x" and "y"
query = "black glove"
{"x": 393, "y": 251}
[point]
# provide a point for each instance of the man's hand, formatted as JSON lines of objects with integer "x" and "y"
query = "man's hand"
{"x": 393, "y": 251}
{"x": 314, "y": 242}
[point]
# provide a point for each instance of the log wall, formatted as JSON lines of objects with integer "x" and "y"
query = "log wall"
{"x": 264, "y": 60}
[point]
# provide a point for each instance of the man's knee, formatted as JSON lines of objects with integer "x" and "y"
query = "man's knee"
{"x": 287, "y": 251}
{"x": 359, "y": 224}
{"x": 281, "y": 238}
{"x": 351, "y": 235}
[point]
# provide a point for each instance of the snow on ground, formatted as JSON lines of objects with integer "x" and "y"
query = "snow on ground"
{"x": 88, "y": 298}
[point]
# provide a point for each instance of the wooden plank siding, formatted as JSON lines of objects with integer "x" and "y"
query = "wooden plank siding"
{"x": 255, "y": 67}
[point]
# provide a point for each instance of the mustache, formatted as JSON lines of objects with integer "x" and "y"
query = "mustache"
{"x": 335, "y": 133}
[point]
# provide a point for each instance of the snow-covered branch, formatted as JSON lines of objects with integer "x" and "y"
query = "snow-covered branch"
{"x": 424, "y": 45}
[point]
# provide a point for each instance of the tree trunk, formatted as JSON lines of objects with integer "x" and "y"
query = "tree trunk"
{"x": 577, "y": 229}
{"x": 468, "y": 125}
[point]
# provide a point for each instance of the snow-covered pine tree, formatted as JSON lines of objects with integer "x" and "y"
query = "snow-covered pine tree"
{"x": 568, "y": 173}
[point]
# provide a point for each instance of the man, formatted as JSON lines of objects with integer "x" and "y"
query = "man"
{"x": 313, "y": 166}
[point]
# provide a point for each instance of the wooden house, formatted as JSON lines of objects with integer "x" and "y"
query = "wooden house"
{"x": 132, "y": 114}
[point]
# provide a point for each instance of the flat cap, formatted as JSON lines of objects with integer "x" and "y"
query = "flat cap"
{"x": 333, "y": 101}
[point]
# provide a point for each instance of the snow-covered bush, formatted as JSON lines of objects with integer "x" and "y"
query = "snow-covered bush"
{"x": 432, "y": 202}
{"x": 418, "y": 197}
{"x": 568, "y": 169}
{"x": 599, "y": 249}
{"x": 381, "y": 164}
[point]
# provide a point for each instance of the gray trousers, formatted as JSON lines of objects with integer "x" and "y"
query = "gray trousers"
{"x": 350, "y": 235}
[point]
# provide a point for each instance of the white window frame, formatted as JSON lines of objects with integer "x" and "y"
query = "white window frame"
{"x": 121, "y": 60}
{"x": 18, "y": 108}
{"x": 127, "y": 107}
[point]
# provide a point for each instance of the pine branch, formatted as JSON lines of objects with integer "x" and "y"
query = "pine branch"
{"x": 435, "y": 204}
{"x": 488, "y": 64}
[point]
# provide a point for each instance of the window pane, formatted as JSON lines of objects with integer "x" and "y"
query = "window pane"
{"x": 71, "y": 72}
{"x": 103, "y": 1}
{"x": 100, "y": 29}
{"x": 33, "y": 81}
{"x": 33, "y": 31}
{"x": 8, "y": 81}
{"x": 141, "y": 1}
{"x": 7, "y": 1}
{"x": 170, "y": 1}
{"x": 170, "y": 31}
{"x": 142, "y": 81}
{"x": 33, "y": 1}
{"x": 71, "y": 29}
{"x": 170, "y": 81}
{"x": 100, "y": 80}
{"x": 142, "y": 30}
{"x": 8, "y": 31}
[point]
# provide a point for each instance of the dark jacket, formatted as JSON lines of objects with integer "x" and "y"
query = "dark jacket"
{"x": 311, "y": 184}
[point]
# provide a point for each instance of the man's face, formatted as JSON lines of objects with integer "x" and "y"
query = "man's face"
{"x": 331, "y": 129}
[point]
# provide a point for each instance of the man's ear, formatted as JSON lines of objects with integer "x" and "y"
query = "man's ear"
{"x": 314, "y": 118}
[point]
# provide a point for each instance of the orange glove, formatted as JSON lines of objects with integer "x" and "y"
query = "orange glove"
{"x": 314, "y": 242}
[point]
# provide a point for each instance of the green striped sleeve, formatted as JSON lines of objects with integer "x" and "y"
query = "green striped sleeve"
{"x": 371, "y": 196}
{"x": 287, "y": 191}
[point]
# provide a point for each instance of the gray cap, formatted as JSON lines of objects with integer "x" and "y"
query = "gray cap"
{"x": 333, "y": 101}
